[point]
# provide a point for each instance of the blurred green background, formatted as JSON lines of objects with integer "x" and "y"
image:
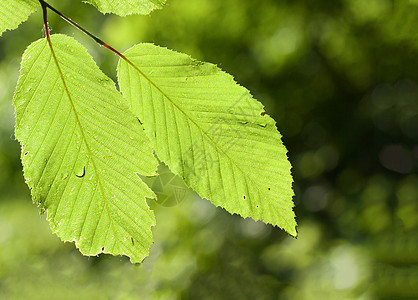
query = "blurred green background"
{"x": 340, "y": 78}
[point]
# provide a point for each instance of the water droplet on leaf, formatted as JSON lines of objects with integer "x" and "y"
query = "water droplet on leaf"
{"x": 80, "y": 172}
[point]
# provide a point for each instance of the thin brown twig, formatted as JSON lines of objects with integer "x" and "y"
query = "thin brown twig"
{"x": 45, "y": 5}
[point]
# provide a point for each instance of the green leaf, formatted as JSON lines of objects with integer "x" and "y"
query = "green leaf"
{"x": 81, "y": 150}
{"x": 127, "y": 7}
{"x": 210, "y": 130}
{"x": 14, "y": 12}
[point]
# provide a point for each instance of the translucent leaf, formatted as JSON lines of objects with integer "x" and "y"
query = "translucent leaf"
{"x": 81, "y": 150}
{"x": 14, "y": 12}
{"x": 127, "y": 7}
{"x": 210, "y": 130}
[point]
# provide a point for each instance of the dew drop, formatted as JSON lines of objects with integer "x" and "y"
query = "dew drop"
{"x": 80, "y": 172}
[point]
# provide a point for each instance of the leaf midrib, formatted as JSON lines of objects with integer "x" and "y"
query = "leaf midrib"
{"x": 165, "y": 95}
{"x": 49, "y": 41}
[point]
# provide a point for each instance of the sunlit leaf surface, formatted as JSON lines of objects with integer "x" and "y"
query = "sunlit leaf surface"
{"x": 14, "y": 12}
{"x": 210, "y": 130}
{"x": 81, "y": 150}
{"x": 127, "y": 7}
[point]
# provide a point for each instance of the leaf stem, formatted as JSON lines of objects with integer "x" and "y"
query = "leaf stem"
{"x": 45, "y": 5}
{"x": 45, "y": 17}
